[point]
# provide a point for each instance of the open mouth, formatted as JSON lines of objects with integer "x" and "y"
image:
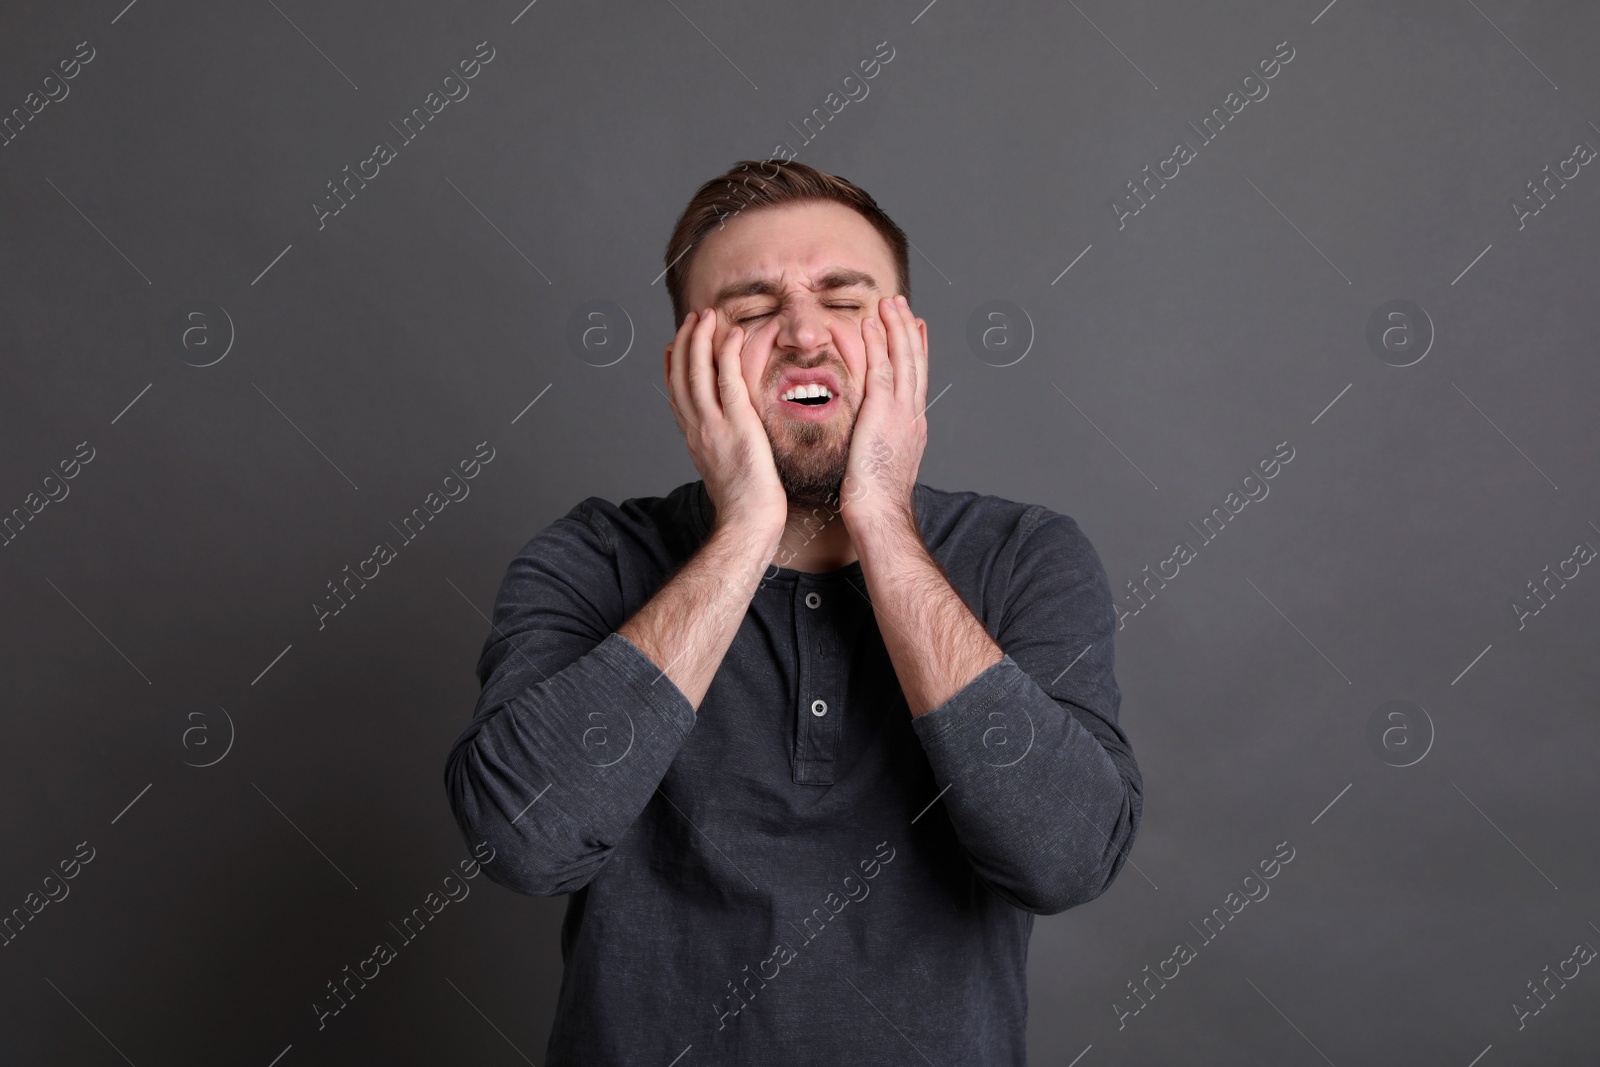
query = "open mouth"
{"x": 811, "y": 395}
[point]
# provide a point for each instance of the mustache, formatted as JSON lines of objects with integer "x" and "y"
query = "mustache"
{"x": 833, "y": 363}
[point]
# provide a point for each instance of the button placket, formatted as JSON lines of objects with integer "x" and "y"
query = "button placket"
{"x": 821, "y": 679}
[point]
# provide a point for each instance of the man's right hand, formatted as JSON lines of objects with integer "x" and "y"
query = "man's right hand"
{"x": 727, "y": 440}
{"x": 688, "y": 625}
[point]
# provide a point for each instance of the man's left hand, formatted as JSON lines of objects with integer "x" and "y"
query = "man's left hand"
{"x": 891, "y": 429}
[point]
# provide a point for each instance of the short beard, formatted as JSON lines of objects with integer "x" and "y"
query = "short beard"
{"x": 811, "y": 477}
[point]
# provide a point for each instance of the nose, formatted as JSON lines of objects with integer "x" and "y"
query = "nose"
{"x": 803, "y": 326}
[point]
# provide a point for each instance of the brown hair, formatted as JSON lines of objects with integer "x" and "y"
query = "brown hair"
{"x": 753, "y": 184}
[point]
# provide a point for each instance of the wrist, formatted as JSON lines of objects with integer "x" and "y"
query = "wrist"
{"x": 753, "y": 535}
{"x": 881, "y": 522}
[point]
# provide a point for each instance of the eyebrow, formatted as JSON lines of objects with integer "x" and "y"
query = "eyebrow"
{"x": 838, "y": 278}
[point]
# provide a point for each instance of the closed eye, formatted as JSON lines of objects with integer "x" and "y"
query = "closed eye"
{"x": 763, "y": 314}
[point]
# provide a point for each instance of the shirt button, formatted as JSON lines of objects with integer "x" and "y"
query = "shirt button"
{"x": 813, "y": 600}
{"x": 819, "y": 708}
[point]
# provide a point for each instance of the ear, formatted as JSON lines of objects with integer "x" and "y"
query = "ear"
{"x": 922, "y": 328}
{"x": 666, "y": 364}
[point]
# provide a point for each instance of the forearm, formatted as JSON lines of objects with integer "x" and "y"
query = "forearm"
{"x": 1045, "y": 807}
{"x": 935, "y": 642}
{"x": 687, "y": 626}
{"x": 557, "y": 774}
{"x": 567, "y": 747}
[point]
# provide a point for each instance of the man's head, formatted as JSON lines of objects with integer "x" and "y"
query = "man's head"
{"x": 799, "y": 259}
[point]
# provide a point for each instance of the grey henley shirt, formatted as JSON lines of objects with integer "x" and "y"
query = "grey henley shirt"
{"x": 801, "y": 873}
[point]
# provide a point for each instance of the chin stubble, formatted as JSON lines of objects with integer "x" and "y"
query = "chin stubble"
{"x": 810, "y": 464}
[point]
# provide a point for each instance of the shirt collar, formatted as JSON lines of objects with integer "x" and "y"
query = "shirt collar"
{"x": 704, "y": 514}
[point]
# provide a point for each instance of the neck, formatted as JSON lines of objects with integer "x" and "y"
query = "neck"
{"x": 815, "y": 540}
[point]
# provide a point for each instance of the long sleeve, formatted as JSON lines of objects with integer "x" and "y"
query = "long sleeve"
{"x": 1039, "y": 781}
{"x": 574, "y": 727}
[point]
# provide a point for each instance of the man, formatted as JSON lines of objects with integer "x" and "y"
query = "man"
{"x": 808, "y": 742}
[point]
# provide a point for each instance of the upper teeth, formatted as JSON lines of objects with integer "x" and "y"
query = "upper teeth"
{"x": 813, "y": 389}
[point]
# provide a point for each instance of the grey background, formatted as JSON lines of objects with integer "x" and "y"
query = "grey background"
{"x": 176, "y": 580}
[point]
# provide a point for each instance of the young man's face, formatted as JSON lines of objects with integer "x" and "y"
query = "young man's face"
{"x": 800, "y": 279}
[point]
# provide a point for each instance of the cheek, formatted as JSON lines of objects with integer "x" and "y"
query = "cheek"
{"x": 852, "y": 349}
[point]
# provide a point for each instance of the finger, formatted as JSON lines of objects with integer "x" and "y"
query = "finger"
{"x": 678, "y": 371}
{"x": 916, "y": 376}
{"x": 730, "y": 378}
{"x": 879, "y": 372}
{"x": 702, "y": 377}
{"x": 895, "y": 331}
{"x": 900, "y": 351}
{"x": 919, "y": 335}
